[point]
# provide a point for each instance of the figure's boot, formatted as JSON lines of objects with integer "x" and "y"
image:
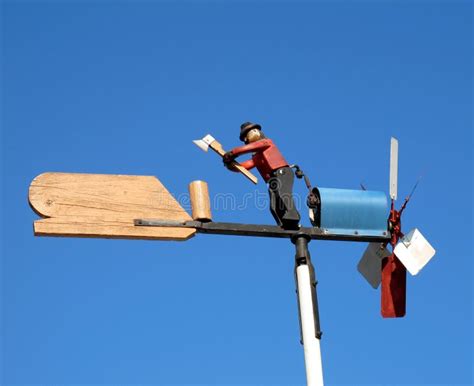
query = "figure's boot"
{"x": 291, "y": 217}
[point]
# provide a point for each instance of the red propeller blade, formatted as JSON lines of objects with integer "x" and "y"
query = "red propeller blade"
{"x": 394, "y": 285}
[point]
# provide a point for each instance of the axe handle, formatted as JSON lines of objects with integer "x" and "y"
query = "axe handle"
{"x": 217, "y": 147}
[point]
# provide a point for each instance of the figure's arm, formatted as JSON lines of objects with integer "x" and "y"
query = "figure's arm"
{"x": 251, "y": 147}
{"x": 249, "y": 164}
{"x": 230, "y": 156}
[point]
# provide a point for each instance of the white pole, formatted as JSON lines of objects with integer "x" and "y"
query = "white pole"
{"x": 311, "y": 344}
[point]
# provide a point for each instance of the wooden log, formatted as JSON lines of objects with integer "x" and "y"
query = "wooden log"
{"x": 102, "y": 205}
{"x": 200, "y": 202}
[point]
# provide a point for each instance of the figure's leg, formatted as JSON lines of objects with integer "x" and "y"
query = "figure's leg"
{"x": 287, "y": 210}
{"x": 274, "y": 204}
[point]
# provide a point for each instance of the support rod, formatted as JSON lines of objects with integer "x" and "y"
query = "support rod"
{"x": 257, "y": 230}
{"x": 308, "y": 310}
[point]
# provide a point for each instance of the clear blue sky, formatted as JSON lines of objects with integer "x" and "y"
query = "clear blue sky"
{"x": 117, "y": 87}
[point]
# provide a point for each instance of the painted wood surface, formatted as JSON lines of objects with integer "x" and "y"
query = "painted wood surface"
{"x": 104, "y": 205}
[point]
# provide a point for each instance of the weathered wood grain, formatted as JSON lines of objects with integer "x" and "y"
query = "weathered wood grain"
{"x": 103, "y": 205}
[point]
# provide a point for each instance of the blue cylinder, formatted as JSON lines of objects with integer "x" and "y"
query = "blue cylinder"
{"x": 353, "y": 212}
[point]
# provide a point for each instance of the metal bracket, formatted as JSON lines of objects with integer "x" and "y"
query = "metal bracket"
{"x": 237, "y": 229}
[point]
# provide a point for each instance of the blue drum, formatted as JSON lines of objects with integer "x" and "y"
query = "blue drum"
{"x": 351, "y": 212}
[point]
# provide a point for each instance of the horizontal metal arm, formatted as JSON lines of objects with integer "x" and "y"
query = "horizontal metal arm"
{"x": 236, "y": 229}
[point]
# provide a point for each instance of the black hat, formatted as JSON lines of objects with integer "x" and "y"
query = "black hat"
{"x": 246, "y": 127}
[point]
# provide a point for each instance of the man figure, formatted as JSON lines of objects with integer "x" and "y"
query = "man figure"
{"x": 274, "y": 170}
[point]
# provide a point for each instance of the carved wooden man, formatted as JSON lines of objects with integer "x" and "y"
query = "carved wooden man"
{"x": 274, "y": 170}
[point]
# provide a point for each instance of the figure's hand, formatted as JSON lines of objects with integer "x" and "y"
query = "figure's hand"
{"x": 228, "y": 158}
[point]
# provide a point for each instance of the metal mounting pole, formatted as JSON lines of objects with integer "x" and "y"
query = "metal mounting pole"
{"x": 308, "y": 310}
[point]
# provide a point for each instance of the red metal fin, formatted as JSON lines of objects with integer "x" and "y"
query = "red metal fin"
{"x": 394, "y": 278}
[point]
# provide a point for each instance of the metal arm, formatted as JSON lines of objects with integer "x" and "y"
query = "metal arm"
{"x": 257, "y": 230}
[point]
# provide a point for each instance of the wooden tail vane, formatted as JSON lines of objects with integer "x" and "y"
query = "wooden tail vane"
{"x": 140, "y": 207}
{"x": 102, "y": 205}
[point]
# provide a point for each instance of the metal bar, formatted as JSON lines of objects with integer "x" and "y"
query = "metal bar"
{"x": 256, "y": 230}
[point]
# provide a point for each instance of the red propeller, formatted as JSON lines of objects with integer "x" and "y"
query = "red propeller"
{"x": 410, "y": 252}
{"x": 394, "y": 273}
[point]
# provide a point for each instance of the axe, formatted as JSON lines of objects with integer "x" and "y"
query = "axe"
{"x": 209, "y": 142}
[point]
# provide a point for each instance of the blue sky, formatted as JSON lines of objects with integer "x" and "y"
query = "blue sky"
{"x": 123, "y": 88}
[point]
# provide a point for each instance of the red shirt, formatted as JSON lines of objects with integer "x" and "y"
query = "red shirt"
{"x": 266, "y": 158}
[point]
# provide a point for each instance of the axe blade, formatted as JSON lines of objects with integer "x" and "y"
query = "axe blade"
{"x": 204, "y": 142}
{"x": 201, "y": 144}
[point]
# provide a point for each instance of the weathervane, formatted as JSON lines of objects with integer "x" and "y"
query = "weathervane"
{"x": 140, "y": 207}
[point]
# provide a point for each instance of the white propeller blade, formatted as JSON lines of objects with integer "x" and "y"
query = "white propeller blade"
{"x": 393, "y": 168}
{"x": 414, "y": 251}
